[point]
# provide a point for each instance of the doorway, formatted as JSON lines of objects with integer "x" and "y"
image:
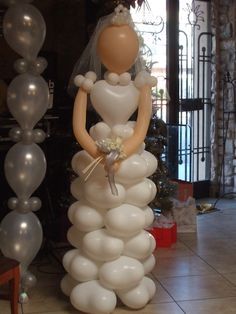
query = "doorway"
{"x": 177, "y": 50}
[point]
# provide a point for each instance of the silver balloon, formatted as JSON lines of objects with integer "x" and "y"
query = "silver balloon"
{"x": 12, "y": 203}
{"x": 27, "y": 136}
{"x": 28, "y": 280}
{"x": 15, "y": 134}
{"x": 28, "y": 99}
{"x": 35, "y": 67}
{"x": 39, "y": 65}
{"x": 25, "y": 168}
{"x": 11, "y": 2}
{"x": 20, "y": 237}
{"x": 24, "y": 29}
{"x": 35, "y": 203}
{"x": 23, "y": 298}
{"x": 21, "y": 66}
{"x": 23, "y": 206}
{"x": 39, "y": 135}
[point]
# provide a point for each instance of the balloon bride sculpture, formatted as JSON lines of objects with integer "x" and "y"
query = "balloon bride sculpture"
{"x": 113, "y": 252}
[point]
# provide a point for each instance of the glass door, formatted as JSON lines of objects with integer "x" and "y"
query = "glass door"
{"x": 177, "y": 50}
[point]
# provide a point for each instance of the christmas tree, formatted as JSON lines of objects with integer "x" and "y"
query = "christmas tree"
{"x": 156, "y": 143}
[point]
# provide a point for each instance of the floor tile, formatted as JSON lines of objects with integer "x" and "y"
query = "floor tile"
{"x": 177, "y": 249}
{"x": 211, "y": 247}
{"x": 181, "y": 266}
{"x": 161, "y": 295}
{"x": 216, "y": 306}
{"x": 163, "y": 308}
{"x": 198, "y": 287}
{"x": 5, "y": 307}
{"x": 222, "y": 263}
{"x": 231, "y": 277}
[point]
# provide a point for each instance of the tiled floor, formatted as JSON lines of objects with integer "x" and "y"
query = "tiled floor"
{"x": 195, "y": 276}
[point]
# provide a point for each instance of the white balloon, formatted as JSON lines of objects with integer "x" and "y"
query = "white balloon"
{"x": 101, "y": 246}
{"x": 132, "y": 170}
{"x": 125, "y": 78}
{"x": 110, "y": 102}
{"x": 98, "y": 193}
{"x": 67, "y": 284}
{"x": 100, "y": 131}
{"x": 81, "y": 160}
{"x": 140, "y": 246}
{"x": 123, "y": 131}
{"x": 125, "y": 220}
{"x": 151, "y": 162}
{"x": 91, "y": 75}
{"x": 139, "y": 296}
{"x": 71, "y": 212}
{"x": 148, "y": 264}
{"x": 141, "y": 194}
{"x": 124, "y": 272}
{"x": 67, "y": 258}
{"x": 83, "y": 269}
{"x": 86, "y": 218}
{"x": 75, "y": 237}
{"x": 92, "y": 297}
{"x": 149, "y": 216}
{"x": 77, "y": 188}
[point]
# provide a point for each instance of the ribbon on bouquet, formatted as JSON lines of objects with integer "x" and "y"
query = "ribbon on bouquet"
{"x": 113, "y": 150}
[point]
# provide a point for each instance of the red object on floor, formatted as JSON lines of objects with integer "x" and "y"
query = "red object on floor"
{"x": 164, "y": 236}
{"x": 10, "y": 273}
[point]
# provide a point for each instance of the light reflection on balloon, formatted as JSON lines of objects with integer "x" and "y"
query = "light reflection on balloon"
{"x": 24, "y": 29}
{"x": 28, "y": 98}
{"x": 25, "y": 168}
{"x": 20, "y": 237}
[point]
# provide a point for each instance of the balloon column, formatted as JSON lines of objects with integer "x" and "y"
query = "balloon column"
{"x": 113, "y": 252}
{"x": 25, "y": 165}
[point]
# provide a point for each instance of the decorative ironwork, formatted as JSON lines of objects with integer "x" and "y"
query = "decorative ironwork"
{"x": 156, "y": 27}
{"x": 195, "y": 15}
{"x": 194, "y": 90}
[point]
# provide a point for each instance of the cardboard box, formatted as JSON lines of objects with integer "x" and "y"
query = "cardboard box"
{"x": 184, "y": 190}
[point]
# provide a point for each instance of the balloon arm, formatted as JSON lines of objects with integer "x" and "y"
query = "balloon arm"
{"x": 79, "y": 125}
{"x": 131, "y": 145}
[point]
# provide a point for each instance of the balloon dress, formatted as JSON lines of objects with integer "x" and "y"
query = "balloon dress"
{"x": 113, "y": 251}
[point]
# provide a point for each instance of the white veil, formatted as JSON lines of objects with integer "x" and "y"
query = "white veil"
{"x": 90, "y": 61}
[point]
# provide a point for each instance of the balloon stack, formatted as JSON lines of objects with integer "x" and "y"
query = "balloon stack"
{"x": 24, "y": 30}
{"x": 112, "y": 253}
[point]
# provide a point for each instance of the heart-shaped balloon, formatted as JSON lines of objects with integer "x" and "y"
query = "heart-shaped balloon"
{"x": 115, "y": 104}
